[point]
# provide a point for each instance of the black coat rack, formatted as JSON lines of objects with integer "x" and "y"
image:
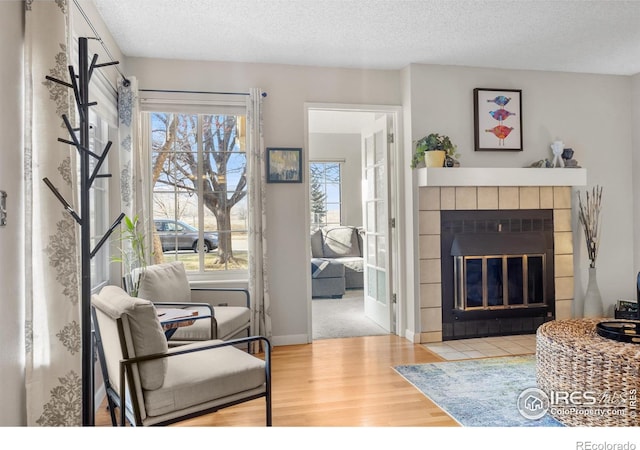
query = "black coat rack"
{"x": 80, "y": 139}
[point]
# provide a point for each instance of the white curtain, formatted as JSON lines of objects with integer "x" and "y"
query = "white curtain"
{"x": 53, "y": 341}
{"x": 258, "y": 263}
{"x": 133, "y": 167}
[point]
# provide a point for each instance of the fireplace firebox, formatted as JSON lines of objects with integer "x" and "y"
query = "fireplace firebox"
{"x": 497, "y": 272}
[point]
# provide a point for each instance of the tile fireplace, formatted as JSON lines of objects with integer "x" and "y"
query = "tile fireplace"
{"x": 528, "y": 277}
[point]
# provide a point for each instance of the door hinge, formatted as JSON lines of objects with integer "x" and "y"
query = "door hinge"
{"x": 394, "y": 298}
{"x": 392, "y": 222}
{"x": 390, "y": 138}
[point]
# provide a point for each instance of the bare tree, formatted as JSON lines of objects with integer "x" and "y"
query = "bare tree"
{"x": 161, "y": 151}
{"x": 176, "y": 164}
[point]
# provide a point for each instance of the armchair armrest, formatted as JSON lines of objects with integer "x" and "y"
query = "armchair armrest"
{"x": 185, "y": 319}
{"x": 185, "y": 304}
{"x": 240, "y": 290}
{"x": 207, "y": 306}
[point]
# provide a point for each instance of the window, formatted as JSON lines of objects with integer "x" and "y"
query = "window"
{"x": 99, "y": 199}
{"x": 199, "y": 190}
{"x": 103, "y": 119}
{"x": 326, "y": 189}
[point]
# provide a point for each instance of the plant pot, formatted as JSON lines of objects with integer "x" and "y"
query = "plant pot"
{"x": 434, "y": 158}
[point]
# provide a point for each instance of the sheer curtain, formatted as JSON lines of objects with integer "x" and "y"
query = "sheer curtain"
{"x": 258, "y": 262}
{"x": 52, "y": 328}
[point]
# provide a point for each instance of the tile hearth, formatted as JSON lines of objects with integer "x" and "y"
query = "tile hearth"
{"x": 484, "y": 347}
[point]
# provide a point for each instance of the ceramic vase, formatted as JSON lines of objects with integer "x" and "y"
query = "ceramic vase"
{"x": 592, "y": 300}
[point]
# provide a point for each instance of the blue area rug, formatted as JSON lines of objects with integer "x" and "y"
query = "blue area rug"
{"x": 479, "y": 392}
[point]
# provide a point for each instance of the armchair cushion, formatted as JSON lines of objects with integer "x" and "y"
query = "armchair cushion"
{"x": 232, "y": 319}
{"x": 165, "y": 282}
{"x": 146, "y": 333}
{"x": 228, "y": 371}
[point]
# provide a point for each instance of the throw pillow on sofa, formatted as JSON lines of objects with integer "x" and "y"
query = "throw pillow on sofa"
{"x": 316, "y": 244}
{"x": 340, "y": 242}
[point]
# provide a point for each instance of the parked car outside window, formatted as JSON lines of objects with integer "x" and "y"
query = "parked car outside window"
{"x": 177, "y": 235}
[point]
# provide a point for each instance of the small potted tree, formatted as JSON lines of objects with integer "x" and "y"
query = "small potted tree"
{"x": 432, "y": 151}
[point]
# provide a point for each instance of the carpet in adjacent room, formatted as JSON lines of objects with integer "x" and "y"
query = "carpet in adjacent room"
{"x": 344, "y": 317}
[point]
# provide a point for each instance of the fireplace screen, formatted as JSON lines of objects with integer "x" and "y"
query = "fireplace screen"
{"x": 499, "y": 281}
{"x": 497, "y": 272}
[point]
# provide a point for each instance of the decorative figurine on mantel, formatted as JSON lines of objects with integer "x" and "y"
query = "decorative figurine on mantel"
{"x": 557, "y": 147}
{"x": 565, "y": 158}
{"x": 569, "y": 162}
{"x": 541, "y": 164}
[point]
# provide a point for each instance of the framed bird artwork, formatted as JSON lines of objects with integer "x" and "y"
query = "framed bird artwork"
{"x": 497, "y": 119}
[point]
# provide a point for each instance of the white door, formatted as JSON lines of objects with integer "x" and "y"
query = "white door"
{"x": 375, "y": 179}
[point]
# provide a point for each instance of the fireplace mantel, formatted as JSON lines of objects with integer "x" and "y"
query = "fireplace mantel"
{"x": 501, "y": 176}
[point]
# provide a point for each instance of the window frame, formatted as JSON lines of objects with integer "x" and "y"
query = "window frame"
{"x": 340, "y": 203}
{"x": 101, "y": 131}
{"x": 197, "y": 104}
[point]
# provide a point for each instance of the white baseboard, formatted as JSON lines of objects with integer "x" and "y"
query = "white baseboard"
{"x": 411, "y": 336}
{"x": 292, "y": 339}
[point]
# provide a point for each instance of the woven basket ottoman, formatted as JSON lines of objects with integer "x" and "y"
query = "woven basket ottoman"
{"x": 590, "y": 380}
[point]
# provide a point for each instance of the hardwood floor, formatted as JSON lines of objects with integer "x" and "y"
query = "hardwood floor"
{"x": 336, "y": 383}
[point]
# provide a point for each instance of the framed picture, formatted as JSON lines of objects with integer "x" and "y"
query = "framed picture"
{"x": 497, "y": 119}
{"x": 284, "y": 165}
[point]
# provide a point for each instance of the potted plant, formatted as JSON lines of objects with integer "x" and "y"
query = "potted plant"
{"x": 432, "y": 150}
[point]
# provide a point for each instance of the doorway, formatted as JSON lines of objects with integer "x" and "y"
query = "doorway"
{"x": 343, "y": 140}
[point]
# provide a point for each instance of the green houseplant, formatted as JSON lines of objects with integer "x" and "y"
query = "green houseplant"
{"x": 133, "y": 253}
{"x": 433, "y": 142}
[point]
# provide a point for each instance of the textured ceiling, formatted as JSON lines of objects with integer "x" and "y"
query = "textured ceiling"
{"x": 572, "y": 36}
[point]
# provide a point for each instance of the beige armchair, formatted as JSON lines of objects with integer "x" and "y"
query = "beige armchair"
{"x": 161, "y": 385}
{"x": 166, "y": 284}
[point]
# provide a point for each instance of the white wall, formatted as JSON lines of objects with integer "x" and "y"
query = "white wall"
{"x": 288, "y": 88}
{"x": 590, "y": 113}
{"x": 343, "y": 147}
{"x": 13, "y": 411}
